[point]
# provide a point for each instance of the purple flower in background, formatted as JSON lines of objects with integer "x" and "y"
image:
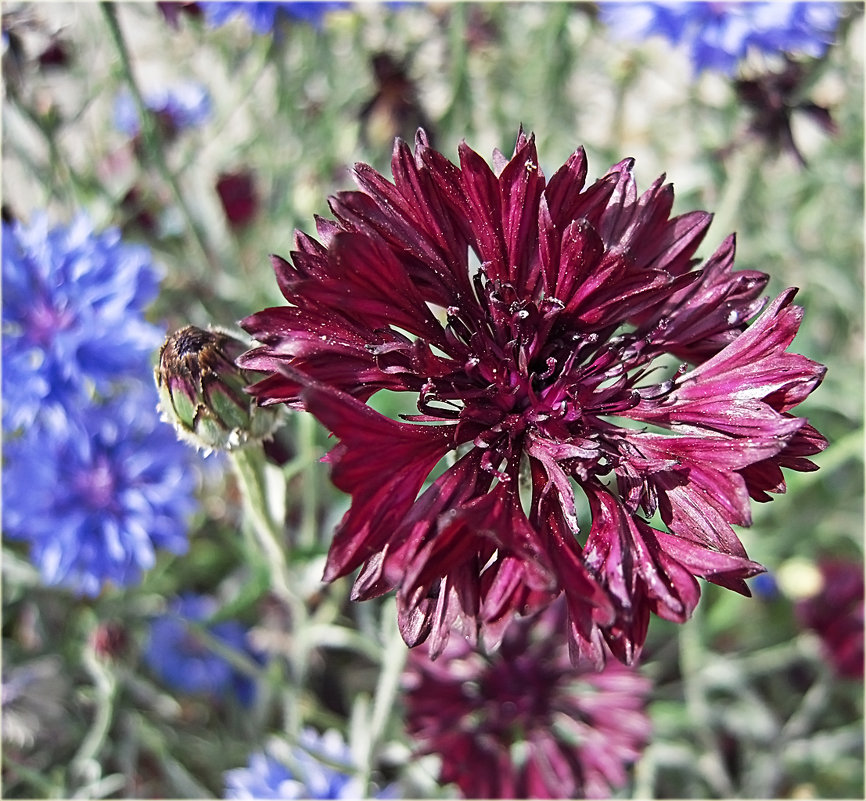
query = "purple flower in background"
{"x": 172, "y": 11}
{"x": 524, "y": 722}
{"x": 263, "y": 17}
{"x": 533, "y": 322}
{"x": 97, "y": 494}
{"x": 182, "y": 659}
{"x": 178, "y": 107}
{"x": 720, "y": 34}
{"x": 73, "y": 315}
{"x": 264, "y": 777}
{"x": 320, "y": 766}
{"x": 835, "y": 613}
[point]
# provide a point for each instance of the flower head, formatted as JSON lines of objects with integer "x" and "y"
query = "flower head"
{"x": 202, "y": 394}
{"x": 523, "y": 722}
{"x": 184, "y": 661}
{"x": 263, "y": 17}
{"x": 309, "y": 770}
{"x": 533, "y": 323}
{"x": 835, "y": 613}
{"x": 720, "y": 35}
{"x": 238, "y": 197}
{"x": 772, "y": 98}
{"x": 99, "y": 493}
{"x": 73, "y": 315}
{"x": 177, "y": 108}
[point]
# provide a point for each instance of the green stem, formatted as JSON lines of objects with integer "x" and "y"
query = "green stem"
{"x": 15, "y": 771}
{"x": 106, "y": 692}
{"x": 151, "y": 137}
{"x": 309, "y": 527}
{"x": 63, "y": 177}
{"x": 249, "y": 464}
{"x": 692, "y": 660}
{"x": 741, "y": 178}
{"x": 458, "y": 114}
{"x": 388, "y": 687}
{"x": 645, "y": 775}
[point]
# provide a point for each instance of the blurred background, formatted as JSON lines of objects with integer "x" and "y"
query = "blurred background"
{"x": 158, "y": 683}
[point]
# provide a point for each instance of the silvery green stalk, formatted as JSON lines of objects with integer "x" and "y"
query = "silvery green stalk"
{"x": 202, "y": 393}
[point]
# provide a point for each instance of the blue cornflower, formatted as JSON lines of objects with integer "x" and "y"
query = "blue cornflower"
{"x": 305, "y": 771}
{"x": 263, "y": 17}
{"x": 178, "y": 107}
{"x": 183, "y": 661}
{"x": 98, "y": 493}
{"x": 765, "y": 586}
{"x": 73, "y": 302}
{"x": 720, "y": 34}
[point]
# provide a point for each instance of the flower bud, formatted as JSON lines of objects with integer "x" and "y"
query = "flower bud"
{"x": 202, "y": 393}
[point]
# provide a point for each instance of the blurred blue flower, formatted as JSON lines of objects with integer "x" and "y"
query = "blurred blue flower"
{"x": 97, "y": 494}
{"x": 720, "y": 34}
{"x": 178, "y": 107}
{"x": 179, "y": 656}
{"x": 263, "y": 17}
{"x": 765, "y": 586}
{"x": 307, "y": 771}
{"x": 73, "y": 321}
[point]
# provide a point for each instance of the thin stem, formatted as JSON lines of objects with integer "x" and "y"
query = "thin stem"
{"x": 692, "y": 660}
{"x": 63, "y": 176}
{"x": 19, "y": 772}
{"x": 309, "y": 527}
{"x": 105, "y": 683}
{"x": 249, "y": 464}
{"x": 645, "y": 775}
{"x": 457, "y": 115}
{"x": 388, "y": 687}
{"x": 151, "y": 137}
{"x": 741, "y": 178}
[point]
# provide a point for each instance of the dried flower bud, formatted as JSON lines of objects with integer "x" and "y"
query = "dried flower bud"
{"x": 202, "y": 391}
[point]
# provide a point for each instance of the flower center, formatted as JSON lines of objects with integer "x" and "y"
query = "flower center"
{"x": 517, "y": 695}
{"x": 44, "y": 321}
{"x": 98, "y": 485}
{"x": 529, "y": 370}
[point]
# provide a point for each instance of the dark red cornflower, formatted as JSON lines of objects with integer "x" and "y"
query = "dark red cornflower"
{"x": 835, "y": 613}
{"x": 395, "y": 108}
{"x": 238, "y": 196}
{"x": 772, "y": 99}
{"x": 523, "y": 722}
{"x": 535, "y": 322}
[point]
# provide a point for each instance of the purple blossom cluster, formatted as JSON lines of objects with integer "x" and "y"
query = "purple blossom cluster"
{"x": 184, "y": 661}
{"x": 719, "y": 36}
{"x": 184, "y": 105}
{"x": 72, "y": 316}
{"x": 92, "y": 479}
{"x": 319, "y": 766}
{"x": 264, "y": 17}
{"x": 534, "y": 322}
